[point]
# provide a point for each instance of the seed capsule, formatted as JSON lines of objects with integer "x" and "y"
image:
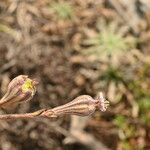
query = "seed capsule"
{"x": 20, "y": 89}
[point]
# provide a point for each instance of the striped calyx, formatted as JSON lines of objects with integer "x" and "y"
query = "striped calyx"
{"x": 20, "y": 89}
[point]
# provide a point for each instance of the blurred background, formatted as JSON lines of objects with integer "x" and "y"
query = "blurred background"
{"x": 76, "y": 47}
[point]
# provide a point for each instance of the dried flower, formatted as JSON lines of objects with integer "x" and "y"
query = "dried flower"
{"x": 103, "y": 103}
{"x": 83, "y": 105}
{"x": 20, "y": 89}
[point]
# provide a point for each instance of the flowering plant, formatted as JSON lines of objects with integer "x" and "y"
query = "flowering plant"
{"x": 22, "y": 89}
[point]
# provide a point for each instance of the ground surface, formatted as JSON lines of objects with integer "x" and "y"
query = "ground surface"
{"x": 78, "y": 47}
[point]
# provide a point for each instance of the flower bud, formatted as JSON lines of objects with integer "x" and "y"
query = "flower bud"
{"x": 83, "y": 105}
{"x": 20, "y": 89}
